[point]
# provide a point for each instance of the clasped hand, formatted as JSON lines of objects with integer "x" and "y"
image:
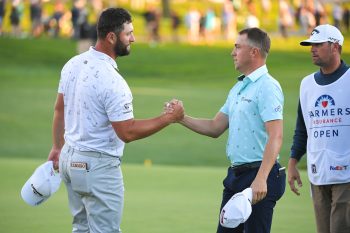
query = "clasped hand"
{"x": 174, "y": 109}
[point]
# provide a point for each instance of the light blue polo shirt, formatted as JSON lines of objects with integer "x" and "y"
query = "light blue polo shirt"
{"x": 254, "y": 100}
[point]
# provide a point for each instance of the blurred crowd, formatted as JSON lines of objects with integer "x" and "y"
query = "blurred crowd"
{"x": 61, "y": 21}
{"x": 208, "y": 25}
{"x": 294, "y": 17}
{"x": 201, "y": 24}
{"x": 308, "y": 14}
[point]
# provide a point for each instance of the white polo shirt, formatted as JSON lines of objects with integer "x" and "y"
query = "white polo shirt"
{"x": 95, "y": 95}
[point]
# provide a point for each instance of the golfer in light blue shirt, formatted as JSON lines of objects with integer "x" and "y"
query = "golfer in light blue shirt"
{"x": 254, "y": 100}
{"x": 253, "y": 115}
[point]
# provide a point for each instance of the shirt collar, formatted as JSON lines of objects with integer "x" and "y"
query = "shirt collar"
{"x": 256, "y": 74}
{"x": 104, "y": 57}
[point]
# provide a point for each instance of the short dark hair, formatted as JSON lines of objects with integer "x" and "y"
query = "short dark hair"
{"x": 112, "y": 20}
{"x": 259, "y": 39}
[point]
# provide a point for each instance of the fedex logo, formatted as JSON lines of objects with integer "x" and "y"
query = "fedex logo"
{"x": 338, "y": 168}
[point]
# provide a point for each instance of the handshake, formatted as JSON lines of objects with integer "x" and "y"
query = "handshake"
{"x": 174, "y": 110}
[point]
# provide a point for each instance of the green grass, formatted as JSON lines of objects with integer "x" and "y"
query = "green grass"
{"x": 158, "y": 199}
{"x": 181, "y": 192}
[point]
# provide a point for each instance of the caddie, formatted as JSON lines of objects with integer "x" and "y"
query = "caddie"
{"x": 323, "y": 131}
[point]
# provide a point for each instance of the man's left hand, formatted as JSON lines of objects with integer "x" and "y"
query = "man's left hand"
{"x": 259, "y": 188}
{"x": 54, "y": 156}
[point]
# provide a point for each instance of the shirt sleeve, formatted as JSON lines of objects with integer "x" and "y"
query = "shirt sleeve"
{"x": 226, "y": 107}
{"x": 64, "y": 76}
{"x": 118, "y": 101}
{"x": 270, "y": 101}
{"x": 300, "y": 136}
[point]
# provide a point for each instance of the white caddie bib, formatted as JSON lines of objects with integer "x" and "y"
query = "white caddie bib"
{"x": 326, "y": 111}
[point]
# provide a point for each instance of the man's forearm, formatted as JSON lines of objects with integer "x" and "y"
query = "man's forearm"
{"x": 131, "y": 130}
{"x": 300, "y": 136}
{"x": 201, "y": 126}
{"x": 271, "y": 152}
{"x": 139, "y": 129}
{"x": 272, "y": 148}
{"x": 58, "y": 124}
{"x": 58, "y": 131}
{"x": 208, "y": 127}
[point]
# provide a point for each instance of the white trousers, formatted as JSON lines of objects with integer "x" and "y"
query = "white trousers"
{"x": 95, "y": 187}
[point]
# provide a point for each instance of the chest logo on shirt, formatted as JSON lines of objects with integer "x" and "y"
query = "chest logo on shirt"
{"x": 325, "y": 101}
{"x": 245, "y": 99}
{"x": 326, "y": 119}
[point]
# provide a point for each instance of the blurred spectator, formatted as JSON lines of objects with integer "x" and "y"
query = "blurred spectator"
{"x": 82, "y": 30}
{"x": 346, "y": 18}
{"x": 97, "y": 6}
{"x": 320, "y": 13}
{"x": 2, "y": 13}
{"x": 59, "y": 23}
{"x": 15, "y": 17}
{"x": 310, "y": 5}
{"x": 297, "y": 6}
{"x": 192, "y": 21}
{"x": 307, "y": 20}
{"x": 209, "y": 25}
{"x": 66, "y": 28}
{"x": 202, "y": 25}
{"x": 152, "y": 18}
{"x": 80, "y": 19}
{"x": 175, "y": 23}
{"x": 35, "y": 17}
{"x": 229, "y": 21}
{"x": 237, "y": 4}
{"x": 285, "y": 17}
{"x": 56, "y": 17}
{"x": 266, "y": 6}
{"x": 337, "y": 14}
{"x": 75, "y": 16}
{"x": 252, "y": 20}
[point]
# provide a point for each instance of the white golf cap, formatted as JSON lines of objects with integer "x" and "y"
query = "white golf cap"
{"x": 44, "y": 182}
{"x": 324, "y": 33}
{"x": 237, "y": 210}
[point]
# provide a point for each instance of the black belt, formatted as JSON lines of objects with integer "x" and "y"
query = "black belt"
{"x": 239, "y": 169}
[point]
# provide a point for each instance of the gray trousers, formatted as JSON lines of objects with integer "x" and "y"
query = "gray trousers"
{"x": 95, "y": 187}
{"x": 332, "y": 207}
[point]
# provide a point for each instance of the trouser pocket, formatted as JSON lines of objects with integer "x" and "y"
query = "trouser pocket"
{"x": 280, "y": 181}
{"x": 79, "y": 175}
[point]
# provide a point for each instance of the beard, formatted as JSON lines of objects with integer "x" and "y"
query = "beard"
{"x": 320, "y": 62}
{"x": 120, "y": 49}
